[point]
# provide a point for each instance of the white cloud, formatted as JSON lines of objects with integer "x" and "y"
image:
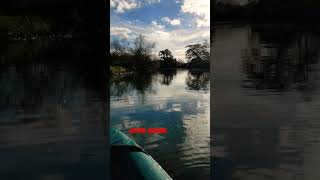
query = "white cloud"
{"x": 152, "y": 1}
{"x": 166, "y": 19}
{"x": 120, "y": 31}
{"x": 200, "y": 9}
{"x": 156, "y": 25}
{"x": 174, "y": 40}
{"x": 173, "y": 22}
{"x": 120, "y": 6}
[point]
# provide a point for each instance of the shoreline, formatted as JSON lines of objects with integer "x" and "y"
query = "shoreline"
{"x": 126, "y": 74}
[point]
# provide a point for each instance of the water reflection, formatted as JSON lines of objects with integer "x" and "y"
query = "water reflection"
{"x": 140, "y": 82}
{"x": 184, "y": 151}
{"x": 198, "y": 80}
{"x": 266, "y": 103}
{"x": 167, "y": 76}
{"x": 278, "y": 58}
{"x": 50, "y": 115}
{"x": 143, "y": 83}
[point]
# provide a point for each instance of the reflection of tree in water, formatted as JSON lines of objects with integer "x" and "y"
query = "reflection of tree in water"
{"x": 167, "y": 76}
{"x": 33, "y": 71}
{"x": 119, "y": 88}
{"x": 141, "y": 82}
{"x": 198, "y": 80}
{"x": 278, "y": 59}
{"x": 37, "y": 92}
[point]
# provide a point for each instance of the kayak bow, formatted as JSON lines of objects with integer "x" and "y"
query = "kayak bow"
{"x": 130, "y": 162}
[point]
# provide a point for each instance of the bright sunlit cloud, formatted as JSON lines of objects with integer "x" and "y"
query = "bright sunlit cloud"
{"x": 120, "y": 31}
{"x": 173, "y": 22}
{"x": 121, "y": 6}
{"x": 200, "y": 9}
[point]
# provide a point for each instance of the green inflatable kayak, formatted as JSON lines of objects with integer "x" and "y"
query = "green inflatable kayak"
{"x": 130, "y": 162}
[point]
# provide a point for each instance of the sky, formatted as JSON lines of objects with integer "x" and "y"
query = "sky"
{"x": 171, "y": 24}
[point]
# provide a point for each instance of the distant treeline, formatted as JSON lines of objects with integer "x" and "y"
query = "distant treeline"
{"x": 269, "y": 10}
{"x": 139, "y": 55}
{"x": 34, "y": 27}
{"x": 34, "y": 18}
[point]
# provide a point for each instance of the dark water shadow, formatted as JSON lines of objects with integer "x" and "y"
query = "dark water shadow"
{"x": 53, "y": 113}
{"x": 167, "y": 76}
{"x": 279, "y": 58}
{"x": 137, "y": 81}
{"x": 265, "y": 114}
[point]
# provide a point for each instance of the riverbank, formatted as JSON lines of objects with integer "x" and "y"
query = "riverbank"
{"x": 122, "y": 72}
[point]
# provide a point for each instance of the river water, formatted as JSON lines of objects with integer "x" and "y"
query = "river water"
{"x": 266, "y": 113}
{"x": 52, "y": 120}
{"x": 178, "y": 100}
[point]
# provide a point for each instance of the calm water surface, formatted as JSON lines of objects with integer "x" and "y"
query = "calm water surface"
{"x": 266, "y": 114}
{"x": 51, "y": 125}
{"x": 177, "y": 100}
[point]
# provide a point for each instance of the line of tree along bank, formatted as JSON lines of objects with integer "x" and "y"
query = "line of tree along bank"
{"x": 139, "y": 56}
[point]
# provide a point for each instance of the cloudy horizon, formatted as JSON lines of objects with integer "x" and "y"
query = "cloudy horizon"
{"x": 172, "y": 24}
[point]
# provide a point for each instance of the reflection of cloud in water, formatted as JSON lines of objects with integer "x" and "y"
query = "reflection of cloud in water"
{"x": 174, "y": 107}
{"x": 184, "y": 112}
{"x": 181, "y": 78}
{"x": 160, "y": 107}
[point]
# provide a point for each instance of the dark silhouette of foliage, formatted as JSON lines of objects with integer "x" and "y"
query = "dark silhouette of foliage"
{"x": 137, "y": 56}
{"x": 142, "y": 54}
{"x": 119, "y": 47}
{"x": 167, "y": 76}
{"x": 166, "y": 59}
{"x": 198, "y": 55}
{"x": 142, "y": 47}
{"x": 181, "y": 64}
{"x": 165, "y": 55}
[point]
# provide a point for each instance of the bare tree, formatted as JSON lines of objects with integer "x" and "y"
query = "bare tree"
{"x": 142, "y": 47}
{"x": 119, "y": 46}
